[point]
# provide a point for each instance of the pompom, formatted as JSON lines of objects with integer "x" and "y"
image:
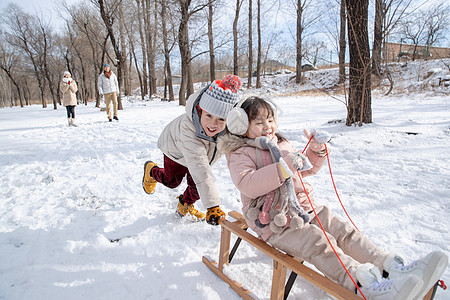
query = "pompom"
{"x": 258, "y": 224}
{"x": 253, "y": 213}
{"x": 264, "y": 218}
{"x": 232, "y": 83}
{"x": 280, "y": 220}
{"x": 275, "y": 228}
{"x": 272, "y": 213}
{"x": 296, "y": 223}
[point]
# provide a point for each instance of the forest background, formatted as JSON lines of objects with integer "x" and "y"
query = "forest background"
{"x": 162, "y": 47}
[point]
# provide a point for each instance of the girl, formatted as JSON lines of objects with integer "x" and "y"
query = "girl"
{"x": 189, "y": 147}
{"x": 265, "y": 179}
{"x": 68, "y": 88}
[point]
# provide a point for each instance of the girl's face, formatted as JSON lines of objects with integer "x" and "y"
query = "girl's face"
{"x": 67, "y": 75}
{"x": 262, "y": 125}
{"x": 211, "y": 124}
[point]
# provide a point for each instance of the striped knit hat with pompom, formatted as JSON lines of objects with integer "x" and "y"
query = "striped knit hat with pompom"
{"x": 221, "y": 96}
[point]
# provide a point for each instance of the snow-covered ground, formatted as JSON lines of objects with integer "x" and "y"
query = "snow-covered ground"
{"x": 76, "y": 224}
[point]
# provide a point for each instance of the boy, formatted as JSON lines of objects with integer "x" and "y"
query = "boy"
{"x": 189, "y": 147}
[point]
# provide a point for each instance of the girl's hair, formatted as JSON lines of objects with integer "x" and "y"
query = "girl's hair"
{"x": 253, "y": 104}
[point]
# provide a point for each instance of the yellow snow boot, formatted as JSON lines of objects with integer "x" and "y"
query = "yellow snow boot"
{"x": 189, "y": 210}
{"x": 148, "y": 182}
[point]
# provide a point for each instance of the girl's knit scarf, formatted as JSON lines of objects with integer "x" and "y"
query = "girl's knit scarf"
{"x": 278, "y": 209}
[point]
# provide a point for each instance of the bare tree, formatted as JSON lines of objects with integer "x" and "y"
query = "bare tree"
{"x": 342, "y": 41}
{"x": 235, "y": 37}
{"x": 150, "y": 33}
{"x": 250, "y": 44}
{"x": 108, "y": 15}
{"x": 168, "y": 82}
{"x": 187, "y": 84}
{"x": 22, "y": 31}
{"x": 303, "y": 22}
{"x": 143, "y": 47}
{"x": 437, "y": 22}
{"x": 359, "y": 108}
{"x": 43, "y": 41}
{"x": 258, "y": 60}
{"x": 212, "y": 58}
{"x": 388, "y": 13}
{"x": 123, "y": 48}
{"x": 9, "y": 62}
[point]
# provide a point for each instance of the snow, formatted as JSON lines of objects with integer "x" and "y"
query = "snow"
{"x": 76, "y": 224}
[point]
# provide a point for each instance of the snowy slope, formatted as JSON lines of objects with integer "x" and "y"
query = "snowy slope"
{"x": 76, "y": 224}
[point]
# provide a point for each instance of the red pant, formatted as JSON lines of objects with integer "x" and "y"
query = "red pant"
{"x": 172, "y": 175}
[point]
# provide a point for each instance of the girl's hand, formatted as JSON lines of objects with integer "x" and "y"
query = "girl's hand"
{"x": 319, "y": 138}
{"x": 300, "y": 161}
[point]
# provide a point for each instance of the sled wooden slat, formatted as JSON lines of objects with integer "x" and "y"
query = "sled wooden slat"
{"x": 237, "y": 287}
{"x": 281, "y": 263}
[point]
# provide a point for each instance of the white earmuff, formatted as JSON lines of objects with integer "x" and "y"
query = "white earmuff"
{"x": 237, "y": 120}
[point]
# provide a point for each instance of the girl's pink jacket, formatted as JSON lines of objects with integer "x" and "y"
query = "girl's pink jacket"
{"x": 253, "y": 182}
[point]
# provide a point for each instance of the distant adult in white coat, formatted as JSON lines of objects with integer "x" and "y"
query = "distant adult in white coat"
{"x": 108, "y": 87}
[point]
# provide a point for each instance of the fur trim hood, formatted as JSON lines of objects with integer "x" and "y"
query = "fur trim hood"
{"x": 229, "y": 143}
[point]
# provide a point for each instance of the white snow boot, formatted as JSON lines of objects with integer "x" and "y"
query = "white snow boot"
{"x": 69, "y": 120}
{"x": 375, "y": 287}
{"x": 429, "y": 269}
{"x": 73, "y": 123}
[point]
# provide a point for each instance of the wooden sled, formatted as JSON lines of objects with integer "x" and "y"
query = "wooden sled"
{"x": 281, "y": 262}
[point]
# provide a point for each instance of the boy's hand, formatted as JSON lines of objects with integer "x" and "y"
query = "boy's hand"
{"x": 214, "y": 214}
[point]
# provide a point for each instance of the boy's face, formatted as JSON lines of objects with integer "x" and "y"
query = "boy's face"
{"x": 211, "y": 124}
{"x": 262, "y": 125}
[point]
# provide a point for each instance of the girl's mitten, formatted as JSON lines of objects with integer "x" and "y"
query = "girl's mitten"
{"x": 299, "y": 161}
{"x": 320, "y": 138}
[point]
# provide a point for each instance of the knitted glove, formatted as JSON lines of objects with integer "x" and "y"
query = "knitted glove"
{"x": 214, "y": 214}
{"x": 299, "y": 161}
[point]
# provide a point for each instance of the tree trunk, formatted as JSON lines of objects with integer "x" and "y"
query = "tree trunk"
{"x": 250, "y": 45}
{"x": 359, "y": 106}
{"x": 185, "y": 52}
{"x": 168, "y": 82}
{"x": 108, "y": 21}
{"x": 342, "y": 43}
{"x": 377, "y": 37}
{"x": 212, "y": 59}
{"x": 258, "y": 62}
{"x": 298, "y": 74}
{"x": 235, "y": 38}
{"x": 144, "y": 51}
{"x": 153, "y": 79}
{"x": 150, "y": 48}
{"x": 19, "y": 92}
{"x": 126, "y": 87}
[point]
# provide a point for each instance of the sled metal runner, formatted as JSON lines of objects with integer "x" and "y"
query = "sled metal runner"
{"x": 281, "y": 262}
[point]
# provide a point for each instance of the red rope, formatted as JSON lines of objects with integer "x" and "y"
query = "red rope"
{"x": 324, "y": 232}
{"x": 334, "y": 185}
{"x": 317, "y": 217}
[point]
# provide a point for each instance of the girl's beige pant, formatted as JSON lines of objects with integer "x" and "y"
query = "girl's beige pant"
{"x": 310, "y": 244}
